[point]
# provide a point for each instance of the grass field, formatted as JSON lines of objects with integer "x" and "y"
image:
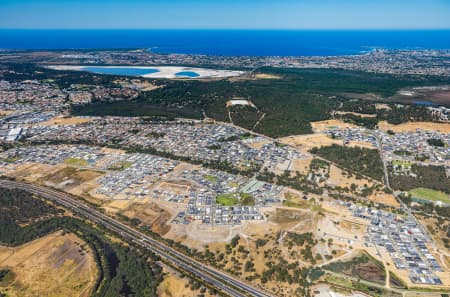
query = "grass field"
{"x": 339, "y": 281}
{"x": 6, "y": 277}
{"x": 429, "y": 194}
{"x": 120, "y": 166}
{"x": 76, "y": 162}
{"x": 287, "y": 218}
{"x": 11, "y": 160}
{"x": 247, "y": 199}
{"x": 293, "y": 200}
{"x": 227, "y": 199}
{"x": 236, "y": 198}
{"x": 210, "y": 178}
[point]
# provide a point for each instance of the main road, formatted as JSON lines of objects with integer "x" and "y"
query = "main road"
{"x": 214, "y": 277}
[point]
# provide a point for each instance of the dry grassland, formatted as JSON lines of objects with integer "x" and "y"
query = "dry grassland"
{"x": 368, "y": 145}
{"x": 381, "y": 106}
{"x": 31, "y": 172}
{"x": 53, "y": 265}
{"x": 266, "y": 76}
{"x": 337, "y": 178}
{"x": 301, "y": 165}
{"x": 61, "y": 120}
{"x": 307, "y": 142}
{"x": 413, "y": 126}
{"x": 363, "y": 115}
{"x": 381, "y": 197}
{"x": 321, "y": 126}
{"x": 67, "y": 178}
{"x": 6, "y": 112}
{"x": 150, "y": 214}
{"x": 437, "y": 230}
{"x": 115, "y": 206}
{"x": 175, "y": 286}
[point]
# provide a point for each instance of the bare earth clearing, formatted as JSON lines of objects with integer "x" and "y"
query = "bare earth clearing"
{"x": 321, "y": 126}
{"x": 413, "y": 126}
{"x": 307, "y": 142}
{"x": 65, "y": 121}
{"x": 266, "y": 76}
{"x": 5, "y": 112}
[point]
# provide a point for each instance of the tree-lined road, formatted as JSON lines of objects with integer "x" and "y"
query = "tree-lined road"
{"x": 215, "y": 278}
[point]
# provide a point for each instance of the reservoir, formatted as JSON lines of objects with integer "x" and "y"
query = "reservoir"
{"x": 425, "y": 103}
{"x": 187, "y": 74}
{"x": 128, "y": 71}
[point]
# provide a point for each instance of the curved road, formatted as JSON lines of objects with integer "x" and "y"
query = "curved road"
{"x": 215, "y": 278}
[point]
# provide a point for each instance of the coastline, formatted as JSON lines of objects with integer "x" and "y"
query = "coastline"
{"x": 258, "y": 43}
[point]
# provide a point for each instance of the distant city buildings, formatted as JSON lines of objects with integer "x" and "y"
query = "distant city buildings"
{"x": 429, "y": 62}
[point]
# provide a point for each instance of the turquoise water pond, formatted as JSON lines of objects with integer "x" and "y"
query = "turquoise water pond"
{"x": 128, "y": 71}
{"x": 187, "y": 74}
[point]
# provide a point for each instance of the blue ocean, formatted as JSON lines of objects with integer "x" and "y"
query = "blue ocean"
{"x": 229, "y": 42}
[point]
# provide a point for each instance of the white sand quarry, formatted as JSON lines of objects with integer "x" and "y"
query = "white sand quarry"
{"x": 163, "y": 71}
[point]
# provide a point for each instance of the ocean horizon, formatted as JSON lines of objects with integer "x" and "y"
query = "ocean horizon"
{"x": 228, "y": 42}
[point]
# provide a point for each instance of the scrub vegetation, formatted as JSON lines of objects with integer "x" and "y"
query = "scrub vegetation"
{"x": 359, "y": 160}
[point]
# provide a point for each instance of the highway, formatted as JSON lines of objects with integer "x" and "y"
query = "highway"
{"x": 215, "y": 278}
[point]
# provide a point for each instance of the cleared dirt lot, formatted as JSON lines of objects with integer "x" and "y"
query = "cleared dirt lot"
{"x": 343, "y": 179}
{"x": 54, "y": 265}
{"x": 381, "y": 197}
{"x": 301, "y": 165}
{"x": 197, "y": 235}
{"x": 65, "y": 121}
{"x": 30, "y": 171}
{"x": 6, "y": 112}
{"x": 368, "y": 145}
{"x": 150, "y": 214}
{"x": 68, "y": 178}
{"x": 266, "y": 76}
{"x": 413, "y": 126}
{"x": 326, "y": 125}
{"x": 307, "y": 142}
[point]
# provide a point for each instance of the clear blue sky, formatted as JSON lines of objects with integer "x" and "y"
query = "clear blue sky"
{"x": 226, "y": 14}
